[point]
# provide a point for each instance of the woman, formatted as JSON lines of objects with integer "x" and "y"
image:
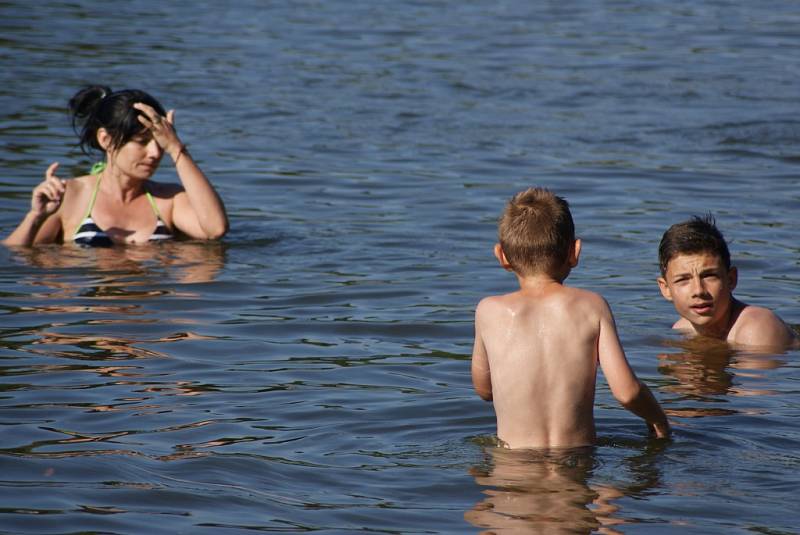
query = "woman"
{"x": 118, "y": 203}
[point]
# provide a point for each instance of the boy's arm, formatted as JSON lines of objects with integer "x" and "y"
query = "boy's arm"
{"x": 625, "y": 386}
{"x": 481, "y": 376}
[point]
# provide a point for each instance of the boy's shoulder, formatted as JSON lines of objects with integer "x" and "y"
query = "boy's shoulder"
{"x": 492, "y": 303}
{"x": 759, "y": 326}
{"x": 568, "y": 295}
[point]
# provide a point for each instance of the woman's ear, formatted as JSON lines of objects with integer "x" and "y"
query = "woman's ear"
{"x": 103, "y": 139}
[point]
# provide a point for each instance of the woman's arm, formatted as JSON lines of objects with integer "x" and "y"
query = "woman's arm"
{"x": 198, "y": 211}
{"x": 42, "y": 224}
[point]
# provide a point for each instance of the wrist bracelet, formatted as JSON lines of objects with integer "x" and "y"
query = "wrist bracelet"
{"x": 180, "y": 153}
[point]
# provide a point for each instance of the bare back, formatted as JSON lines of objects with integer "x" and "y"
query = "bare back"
{"x": 541, "y": 348}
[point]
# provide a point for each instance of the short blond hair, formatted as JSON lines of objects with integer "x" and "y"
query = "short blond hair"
{"x": 536, "y": 232}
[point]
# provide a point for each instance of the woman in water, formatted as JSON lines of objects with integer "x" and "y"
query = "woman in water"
{"x": 118, "y": 203}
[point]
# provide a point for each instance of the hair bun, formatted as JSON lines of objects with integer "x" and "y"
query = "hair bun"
{"x": 85, "y": 101}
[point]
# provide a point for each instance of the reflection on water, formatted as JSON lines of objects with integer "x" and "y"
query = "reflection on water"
{"x": 564, "y": 490}
{"x": 88, "y": 340}
{"x": 311, "y": 372}
{"x": 542, "y": 492}
{"x": 106, "y": 347}
{"x": 707, "y": 370}
{"x": 82, "y": 296}
{"x": 119, "y": 268}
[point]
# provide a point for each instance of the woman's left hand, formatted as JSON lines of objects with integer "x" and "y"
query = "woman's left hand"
{"x": 197, "y": 211}
{"x": 162, "y": 128}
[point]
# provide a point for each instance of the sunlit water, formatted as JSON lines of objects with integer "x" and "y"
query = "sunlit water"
{"x": 310, "y": 373}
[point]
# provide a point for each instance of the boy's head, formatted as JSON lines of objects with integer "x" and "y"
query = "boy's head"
{"x": 537, "y": 234}
{"x": 696, "y": 273}
{"x": 697, "y": 235}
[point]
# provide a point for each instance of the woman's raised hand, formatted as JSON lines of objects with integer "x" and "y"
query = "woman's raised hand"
{"x": 47, "y": 196}
{"x": 162, "y": 128}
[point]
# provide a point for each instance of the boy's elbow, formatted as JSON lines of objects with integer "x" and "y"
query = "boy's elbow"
{"x": 485, "y": 395}
{"x": 629, "y": 396}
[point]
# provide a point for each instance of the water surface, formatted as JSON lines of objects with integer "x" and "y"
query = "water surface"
{"x": 310, "y": 372}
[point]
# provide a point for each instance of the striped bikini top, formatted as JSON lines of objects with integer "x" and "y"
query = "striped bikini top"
{"x": 88, "y": 234}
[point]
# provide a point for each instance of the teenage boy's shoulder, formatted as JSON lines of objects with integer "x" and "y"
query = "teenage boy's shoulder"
{"x": 758, "y": 326}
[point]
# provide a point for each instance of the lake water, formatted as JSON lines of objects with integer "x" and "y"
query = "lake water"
{"x": 311, "y": 371}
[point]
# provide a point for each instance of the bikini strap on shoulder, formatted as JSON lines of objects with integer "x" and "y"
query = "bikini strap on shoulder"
{"x": 91, "y": 203}
{"x": 98, "y": 168}
{"x": 152, "y": 203}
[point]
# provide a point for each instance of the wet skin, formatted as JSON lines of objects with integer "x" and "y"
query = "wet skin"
{"x": 700, "y": 287}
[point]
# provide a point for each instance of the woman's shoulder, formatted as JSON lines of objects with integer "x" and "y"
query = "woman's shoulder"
{"x": 78, "y": 191}
{"x": 81, "y": 183}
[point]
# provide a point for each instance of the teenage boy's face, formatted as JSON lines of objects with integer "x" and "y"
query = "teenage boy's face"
{"x": 700, "y": 288}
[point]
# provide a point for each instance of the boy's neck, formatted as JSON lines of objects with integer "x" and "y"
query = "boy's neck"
{"x": 538, "y": 282}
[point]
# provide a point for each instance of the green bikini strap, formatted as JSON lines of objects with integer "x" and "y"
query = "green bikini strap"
{"x": 153, "y": 204}
{"x": 99, "y": 166}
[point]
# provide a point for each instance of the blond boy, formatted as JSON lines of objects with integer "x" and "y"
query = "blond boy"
{"x": 536, "y": 350}
{"x": 698, "y": 278}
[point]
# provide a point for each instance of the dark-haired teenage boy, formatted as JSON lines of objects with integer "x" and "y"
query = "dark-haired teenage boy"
{"x": 698, "y": 278}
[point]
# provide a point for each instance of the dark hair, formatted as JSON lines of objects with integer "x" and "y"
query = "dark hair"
{"x": 96, "y": 106}
{"x": 697, "y": 235}
{"x": 536, "y": 232}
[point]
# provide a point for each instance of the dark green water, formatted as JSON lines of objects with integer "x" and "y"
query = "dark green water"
{"x": 310, "y": 373}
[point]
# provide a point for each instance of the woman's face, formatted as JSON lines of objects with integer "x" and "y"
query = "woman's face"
{"x": 138, "y": 158}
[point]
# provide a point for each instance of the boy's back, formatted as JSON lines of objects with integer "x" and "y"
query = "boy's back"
{"x": 536, "y": 350}
{"x": 541, "y": 346}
